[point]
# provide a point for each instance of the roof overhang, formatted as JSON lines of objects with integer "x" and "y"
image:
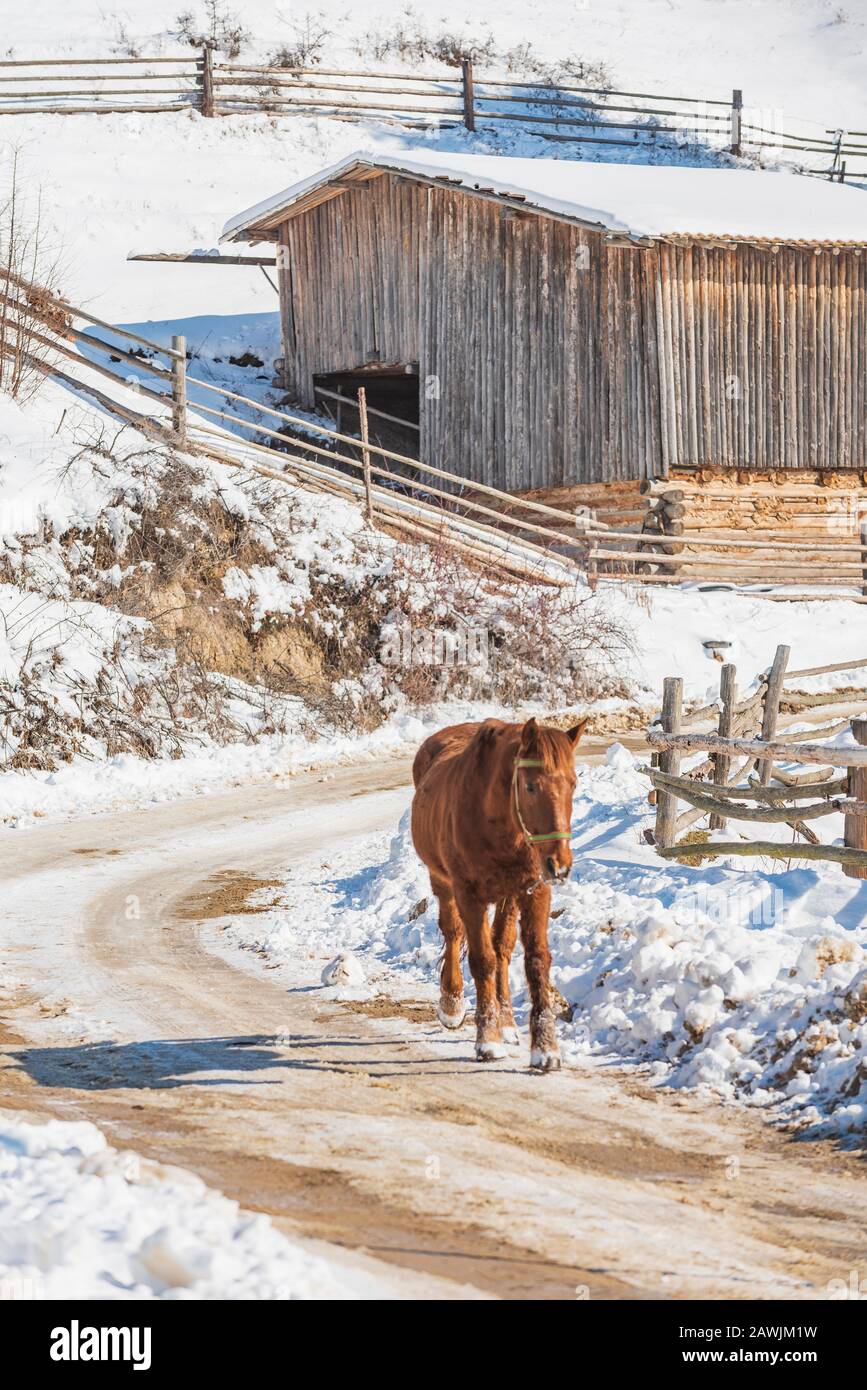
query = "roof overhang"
{"x": 562, "y": 193}
{"x": 261, "y": 223}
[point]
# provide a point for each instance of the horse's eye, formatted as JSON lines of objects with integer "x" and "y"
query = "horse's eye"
{"x": 531, "y": 788}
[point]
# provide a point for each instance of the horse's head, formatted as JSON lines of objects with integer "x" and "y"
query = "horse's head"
{"x": 543, "y": 785}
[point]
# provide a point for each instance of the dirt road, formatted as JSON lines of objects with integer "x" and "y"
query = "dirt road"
{"x": 380, "y": 1135}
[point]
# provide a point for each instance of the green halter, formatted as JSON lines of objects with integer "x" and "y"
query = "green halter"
{"x": 533, "y": 839}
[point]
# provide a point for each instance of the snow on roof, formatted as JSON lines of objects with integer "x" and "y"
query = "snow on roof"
{"x": 630, "y": 199}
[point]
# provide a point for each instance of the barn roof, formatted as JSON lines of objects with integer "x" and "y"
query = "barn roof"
{"x": 634, "y": 201}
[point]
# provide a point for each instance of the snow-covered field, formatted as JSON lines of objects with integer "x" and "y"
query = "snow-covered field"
{"x": 751, "y": 981}
{"x": 806, "y": 57}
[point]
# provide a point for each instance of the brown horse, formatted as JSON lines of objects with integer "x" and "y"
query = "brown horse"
{"x": 490, "y": 820}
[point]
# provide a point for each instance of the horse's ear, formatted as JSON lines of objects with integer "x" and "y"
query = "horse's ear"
{"x": 528, "y": 735}
{"x": 574, "y": 734}
{"x": 485, "y": 735}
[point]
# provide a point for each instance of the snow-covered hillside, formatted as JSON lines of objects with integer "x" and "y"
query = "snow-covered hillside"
{"x": 797, "y": 55}
{"x": 112, "y": 184}
{"x": 112, "y": 589}
{"x": 162, "y": 608}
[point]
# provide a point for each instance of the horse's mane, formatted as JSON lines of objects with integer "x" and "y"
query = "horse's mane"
{"x": 550, "y": 745}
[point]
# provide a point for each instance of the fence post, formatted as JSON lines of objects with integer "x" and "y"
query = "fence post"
{"x": 771, "y": 710}
{"x": 207, "y": 81}
{"x": 179, "y": 389}
{"x": 863, "y": 534}
{"x": 728, "y": 694}
{"x": 669, "y": 761}
{"x": 469, "y": 104}
{"x": 855, "y": 827}
{"x": 836, "y": 160}
{"x": 737, "y": 107}
{"x": 365, "y": 452}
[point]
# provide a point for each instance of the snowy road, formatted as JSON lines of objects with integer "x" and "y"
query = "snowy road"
{"x": 377, "y": 1134}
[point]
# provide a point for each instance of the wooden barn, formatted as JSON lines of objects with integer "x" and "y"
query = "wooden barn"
{"x": 540, "y": 324}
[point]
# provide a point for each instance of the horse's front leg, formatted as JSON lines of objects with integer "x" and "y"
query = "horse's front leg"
{"x": 483, "y": 961}
{"x": 505, "y": 933}
{"x": 535, "y": 911}
{"x": 451, "y": 1009}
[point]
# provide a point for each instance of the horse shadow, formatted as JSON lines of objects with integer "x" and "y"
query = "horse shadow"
{"x": 169, "y": 1063}
{"x": 153, "y": 1065}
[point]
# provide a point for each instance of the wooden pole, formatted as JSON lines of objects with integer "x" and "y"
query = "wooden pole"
{"x": 669, "y": 761}
{"x": 771, "y": 710}
{"x": 179, "y": 389}
{"x": 592, "y": 569}
{"x": 864, "y": 558}
{"x": 365, "y": 452}
{"x": 824, "y": 755}
{"x": 207, "y": 81}
{"x": 855, "y": 827}
{"x": 469, "y": 102}
{"x": 737, "y": 108}
{"x": 728, "y": 694}
{"x": 772, "y": 849}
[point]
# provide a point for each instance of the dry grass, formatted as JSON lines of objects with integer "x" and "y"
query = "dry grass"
{"x": 693, "y": 837}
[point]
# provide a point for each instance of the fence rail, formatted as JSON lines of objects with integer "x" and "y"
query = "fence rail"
{"x": 461, "y": 96}
{"x": 681, "y": 537}
{"x": 738, "y": 779}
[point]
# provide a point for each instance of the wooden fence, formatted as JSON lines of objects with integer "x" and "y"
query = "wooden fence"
{"x": 464, "y": 96}
{"x": 739, "y": 778}
{"x": 537, "y": 538}
{"x": 397, "y": 491}
{"x": 692, "y": 532}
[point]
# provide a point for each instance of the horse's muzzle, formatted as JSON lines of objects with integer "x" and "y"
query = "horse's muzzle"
{"x": 556, "y": 869}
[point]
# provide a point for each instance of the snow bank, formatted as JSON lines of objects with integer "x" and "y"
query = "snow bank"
{"x": 78, "y": 1219}
{"x": 749, "y": 982}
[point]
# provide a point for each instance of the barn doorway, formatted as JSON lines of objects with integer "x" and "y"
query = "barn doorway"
{"x": 393, "y": 414}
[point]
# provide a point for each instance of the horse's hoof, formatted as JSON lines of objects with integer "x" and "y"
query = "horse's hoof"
{"x": 489, "y": 1052}
{"x": 511, "y": 1036}
{"x": 452, "y": 1020}
{"x": 544, "y": 1061}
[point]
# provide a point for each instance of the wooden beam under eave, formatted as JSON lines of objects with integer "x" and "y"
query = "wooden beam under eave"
{"x": 313, "y": 199}
{"x": 188, "y": 258}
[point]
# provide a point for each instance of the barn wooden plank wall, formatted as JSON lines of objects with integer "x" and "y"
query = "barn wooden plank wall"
{"x": 765, "y": 362}
{"x": 548, "y": 357}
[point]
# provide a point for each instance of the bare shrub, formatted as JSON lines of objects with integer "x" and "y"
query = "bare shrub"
{"x": 303, "y": 49}
{"x": 409, "y": 40}
{"x": 209, "y": 666}
{"x": 28, "y": 270}
{"x": 413, "y": 42}
{"x": 124, "y": 43}
{"x": 523, "y": 61}
{"x": 221, "y": 29}
{"x": 538, "y": 643}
